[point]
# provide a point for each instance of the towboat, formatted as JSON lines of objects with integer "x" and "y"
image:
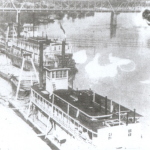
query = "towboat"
{"x": 81, "y": 118}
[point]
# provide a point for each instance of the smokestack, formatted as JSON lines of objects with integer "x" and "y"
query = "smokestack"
{"x": 41, "y": 65}
{"x": 63, "y": 53}
{"x": 18, "y": 27}
{"x": 33, "y": 23}
{"x": 106, "y": 105}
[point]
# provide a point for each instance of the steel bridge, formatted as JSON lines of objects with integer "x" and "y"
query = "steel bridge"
{"x": 75, "y": 5}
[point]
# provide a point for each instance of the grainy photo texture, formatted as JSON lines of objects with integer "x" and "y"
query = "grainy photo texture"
{"x": 74, "y": 74}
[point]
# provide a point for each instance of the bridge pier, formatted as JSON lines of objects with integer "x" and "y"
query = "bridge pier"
{"x": 113, "y": 24}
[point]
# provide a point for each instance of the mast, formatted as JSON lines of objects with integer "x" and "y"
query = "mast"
{"x": 63, "y": 53}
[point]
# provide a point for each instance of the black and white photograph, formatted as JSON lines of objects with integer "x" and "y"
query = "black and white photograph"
{"x": 74, "y": 74}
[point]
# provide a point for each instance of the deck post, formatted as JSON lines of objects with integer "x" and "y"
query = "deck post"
{"x": 119, "y": 114}
{"x": 93, "y": 96}
{"x": 134, "y": 115}
{"x": 106, "y": 105}
{"x": 100, "y": 105}
{"x": 68, "y": 109}
{"x": 68, "y": 112}
{"x": 127, "y": 119}
{"x": 53, "y": 105}
{"x": 47, "y": 125}
{"x": 111, "y": 106}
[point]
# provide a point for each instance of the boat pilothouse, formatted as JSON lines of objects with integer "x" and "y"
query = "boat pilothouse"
{"x": 82, "y": 114}
{"x": 29, "y": 30}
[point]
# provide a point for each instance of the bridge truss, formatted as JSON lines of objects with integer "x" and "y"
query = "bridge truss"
{"x": 75, "y": 5}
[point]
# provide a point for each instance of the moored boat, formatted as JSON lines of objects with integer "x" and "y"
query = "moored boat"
{"x": 91, "y": 119}
{"x": 15, "y": 47}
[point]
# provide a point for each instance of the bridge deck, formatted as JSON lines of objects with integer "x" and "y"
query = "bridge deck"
{"x": 74, "y": 5}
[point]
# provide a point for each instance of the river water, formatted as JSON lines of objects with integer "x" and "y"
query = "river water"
{"x": 112, "y": 60}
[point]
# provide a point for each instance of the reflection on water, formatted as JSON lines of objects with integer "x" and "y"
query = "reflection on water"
{"x": 95, "y": 70}
{"x": 113, "y": 25}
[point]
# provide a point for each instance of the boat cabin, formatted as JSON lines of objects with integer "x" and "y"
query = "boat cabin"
{"x": 56, "y": 79}
{"x": 51, "y": 49}
{"x": 29, "y": 30}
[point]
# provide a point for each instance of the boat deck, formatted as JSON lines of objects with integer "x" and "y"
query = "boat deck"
{"x": 92, "y": 114}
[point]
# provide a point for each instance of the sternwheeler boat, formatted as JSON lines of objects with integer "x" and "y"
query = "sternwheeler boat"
{"x": 55, "y": 52}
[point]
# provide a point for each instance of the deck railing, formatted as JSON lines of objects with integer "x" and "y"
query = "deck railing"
{"x": 71, "y": 125}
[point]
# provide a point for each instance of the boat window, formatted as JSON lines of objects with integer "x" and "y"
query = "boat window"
{"x": 64, "y": 73}
{"x": 94, "y": 135}
{"x": 58, "y": 74}
{"x": 53, "y": 74}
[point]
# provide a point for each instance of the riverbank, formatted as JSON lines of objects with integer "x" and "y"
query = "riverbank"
{"x": 15, "y": 134}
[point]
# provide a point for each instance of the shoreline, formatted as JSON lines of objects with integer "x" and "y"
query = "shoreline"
{"x": 15, "y": 133}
